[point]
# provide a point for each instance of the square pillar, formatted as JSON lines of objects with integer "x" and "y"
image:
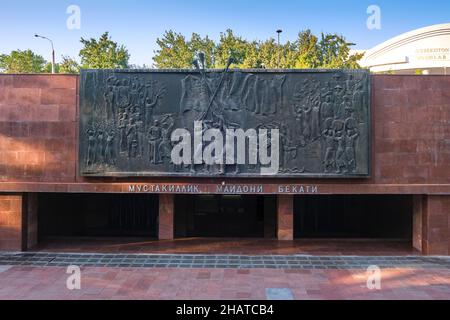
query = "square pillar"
{"x": 11, "y": 224}
{"x": 31, "y": 220}
{"x": 417, "y": 233}
{"x": 270, "y": 217}
{"x": 435, "y": 225}
{"x": 166, "y": 217}
{"x": 285, "y": 217}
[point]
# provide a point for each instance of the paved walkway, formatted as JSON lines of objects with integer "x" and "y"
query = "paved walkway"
{"x": 28, "y": 282}
{"x": 43, "y": 275}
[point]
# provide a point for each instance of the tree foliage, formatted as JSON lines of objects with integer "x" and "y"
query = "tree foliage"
{"x": 308, "y": 51}
{"x": 103, "y": 54}
{"x": 68, "y": 65}
{"x": 22, "y": 62}
{"x": 177, "y": 52}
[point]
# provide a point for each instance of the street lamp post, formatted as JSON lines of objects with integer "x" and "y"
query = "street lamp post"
{"x": 279, "y": 31}
{"x": 53, "y": 51}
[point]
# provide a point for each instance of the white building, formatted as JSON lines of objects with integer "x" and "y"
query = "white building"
{"x": 422, "y": 51}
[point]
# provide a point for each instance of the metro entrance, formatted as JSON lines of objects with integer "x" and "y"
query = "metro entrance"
{"x": 222, "y": 216}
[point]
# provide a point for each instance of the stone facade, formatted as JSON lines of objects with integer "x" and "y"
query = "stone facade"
{"x": 410, "y": 155}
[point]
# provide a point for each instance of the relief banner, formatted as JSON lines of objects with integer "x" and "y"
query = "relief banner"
{"x": 128, "y": 121}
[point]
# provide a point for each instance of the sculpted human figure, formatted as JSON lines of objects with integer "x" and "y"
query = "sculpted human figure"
{"x": 150, "y": 106}
{"x": 315, "y": 118}
{"x": 289, "y": 152}
{"x": 358, "y": 99}
{"x": 327, "y": 108}
{"x": 133, "y": 139}
{"x": 123, "y": 94}
{"x": 110, "y": 101}
{"x": 109, "y": 150}
{"x": 307, "y": 109}
{"x": 350, "y": 142}
{"x": 165, "y": 145}
{"x": 122, "y": 125}
{"x": 358, "y": 96}
{"x": 134, "y": 94}
{"x": 330, "y": 146}
{"x": 341, "y": 161}
{"x": 299, "y": 115}
{"x": 165, "y": 148}
{"x": 339, "y": 102}
{"x": 100, "y": 156}
{"x": 92, "y": 141}
{"x": 154, "y": 138}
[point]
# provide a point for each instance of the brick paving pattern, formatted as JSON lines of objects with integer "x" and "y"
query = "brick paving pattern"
{"x": 28, "y": 282}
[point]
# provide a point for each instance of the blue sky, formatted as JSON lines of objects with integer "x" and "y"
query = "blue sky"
{"x": 138, "y": 23}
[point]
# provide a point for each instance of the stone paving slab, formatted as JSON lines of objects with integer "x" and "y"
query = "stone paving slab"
{"x": 4, "y": 268}
{"x": 118, "y": 283}
{"x": 279, "y": 294}
{"x": 222, "y": 261}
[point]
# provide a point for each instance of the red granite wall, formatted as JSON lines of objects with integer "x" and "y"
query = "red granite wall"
{"x": 38, "y": 128}
{"x": 411, "y": 151}
{"x": 411, "y": 129}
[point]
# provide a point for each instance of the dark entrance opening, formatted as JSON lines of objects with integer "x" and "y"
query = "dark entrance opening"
{"x": 225, "y": 216}
{"x": 97, "y": 215}
{"x": 353, "y": 216}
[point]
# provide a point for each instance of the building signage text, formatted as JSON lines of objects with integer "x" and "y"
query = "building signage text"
{"x": 223, "y": 189}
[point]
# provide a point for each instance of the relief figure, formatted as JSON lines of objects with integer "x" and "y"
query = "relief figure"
{"x": 154, "y": 139}
{"x": 315, "y": 119}
{"x": 330, "y": 146}
{"x": 100, "y": 151}
{"x": 350, "y": 142}
{"x": 109, "y": 150}
{"x": 133, "y": 139}
{"x": 92, "y": 142}
{"x": 341, "y": 161}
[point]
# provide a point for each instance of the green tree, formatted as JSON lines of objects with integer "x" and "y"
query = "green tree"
{"x": 273, "y": 56}
{"x": 269, "y": 53}
{"x": 174, "y": 51}
{"x": 252, "y": 58}
{"x": 335, "y": 53}
{"x": 68, "y": 65}
{"x": 48, "y": 67}
{"x": 205, "y": 45}
{"x": 308, "y": 51}
{"x": 331, "y": 51}
{"x": 230, "y": 44}
{"x": 22, "y": 62}
{"x": 177, "y": 52}
{"x": 103, "y": 54}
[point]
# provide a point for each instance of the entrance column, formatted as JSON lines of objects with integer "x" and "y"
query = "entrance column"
{"x": 31, "y": 220}
{"x": 166, "y": 217}
{"x": 417, "y": 222}
{"x": 285, "y": 217}
{"x": 11, "y": 222}
{"x": 18, "y": 221}
{"x": 435, "y": 225}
